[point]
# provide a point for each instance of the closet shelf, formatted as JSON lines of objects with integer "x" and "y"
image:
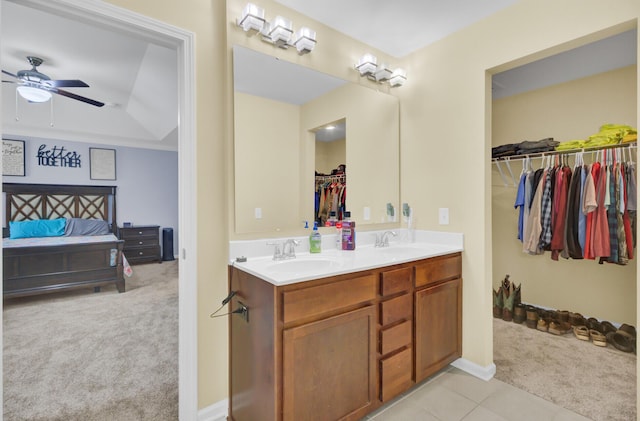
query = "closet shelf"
{"x": 631, "y": 145}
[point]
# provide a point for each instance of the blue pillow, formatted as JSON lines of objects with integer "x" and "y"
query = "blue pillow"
{"x": 37, "y": 228}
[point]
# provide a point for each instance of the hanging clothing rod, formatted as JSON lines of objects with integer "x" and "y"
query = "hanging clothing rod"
{"x": 631, "y": 145}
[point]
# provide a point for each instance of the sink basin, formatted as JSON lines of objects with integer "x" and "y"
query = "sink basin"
{"x": 303, "y": 265}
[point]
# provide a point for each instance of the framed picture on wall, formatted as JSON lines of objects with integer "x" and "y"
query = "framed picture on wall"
{"x": 13, "y": 157}
{"x": 102, "y": 163}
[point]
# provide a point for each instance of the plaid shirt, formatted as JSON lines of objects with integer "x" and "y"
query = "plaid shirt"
{"x": 545, "y": 212}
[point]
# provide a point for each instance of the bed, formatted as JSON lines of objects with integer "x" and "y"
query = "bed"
{"x": 41, "y": 265}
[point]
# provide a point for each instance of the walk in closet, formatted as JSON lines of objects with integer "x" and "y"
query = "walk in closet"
{"x": 567, "y": 109}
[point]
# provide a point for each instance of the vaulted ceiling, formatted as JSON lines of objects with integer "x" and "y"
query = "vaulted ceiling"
{"x": 136, "y": 79}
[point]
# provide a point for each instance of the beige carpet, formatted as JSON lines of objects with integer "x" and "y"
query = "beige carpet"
{"x": 599, "y": 383}
{"x": 95, "y": 356}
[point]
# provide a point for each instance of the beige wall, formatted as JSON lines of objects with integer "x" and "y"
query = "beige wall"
{"x": 267, "y": 149}
{"x": 572, "y": 110}
{"x": 329, "y": 155}
{"x": 207, "y": 21}
{"x": 446, "y": 128}
{"x": 444, "y": 138}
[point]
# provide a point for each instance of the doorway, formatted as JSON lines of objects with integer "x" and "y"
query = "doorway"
{"x": 115, "y": 18}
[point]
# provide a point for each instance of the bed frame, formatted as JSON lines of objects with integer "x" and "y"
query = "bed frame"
{"x": 42, "y": 269}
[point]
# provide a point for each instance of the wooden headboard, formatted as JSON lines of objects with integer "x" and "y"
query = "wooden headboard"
{"x": 51, "y": 201}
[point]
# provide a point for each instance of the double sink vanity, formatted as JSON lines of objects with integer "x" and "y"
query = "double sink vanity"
{"x": 336, "y": 335}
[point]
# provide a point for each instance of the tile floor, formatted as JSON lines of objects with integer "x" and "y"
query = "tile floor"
{"x": 453, "y": 395}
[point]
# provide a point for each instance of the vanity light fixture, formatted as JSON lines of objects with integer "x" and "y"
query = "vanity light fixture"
{"x": 369, "y": 68}
{"x": 305, "y": 40}
{"x": 278, "y": 32}
{"x": 398, "y": 77}
{"x": 367, "y": 65}
{"x": 252, "y": 18}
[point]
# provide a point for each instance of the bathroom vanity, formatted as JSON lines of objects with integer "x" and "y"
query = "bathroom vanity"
{"x": 335, "y": 336}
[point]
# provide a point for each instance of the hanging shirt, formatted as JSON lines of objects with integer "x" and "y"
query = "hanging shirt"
{"x": 545, "y": 212}
{"x": 600, "y": 246}
{"x": 589, "y": 205}
{"x": 582, "y": 217}
{"x": 612, "y": 216}
{"x": 520, "y": 204}
{"x": 534, "y": 227}
{"x": 572, "y": 245}
{"x": 559, "y": 210}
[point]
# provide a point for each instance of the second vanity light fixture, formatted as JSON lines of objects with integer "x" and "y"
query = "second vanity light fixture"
{"x": 278, "y": 32}
{"x": 368, "y": 67}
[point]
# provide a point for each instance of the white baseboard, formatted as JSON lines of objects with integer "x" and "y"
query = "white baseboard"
{"x": 216, "y": 412}
{"x": 484, "y": 373}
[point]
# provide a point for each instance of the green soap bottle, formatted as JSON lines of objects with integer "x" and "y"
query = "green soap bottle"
{"x": 315, "y": 240}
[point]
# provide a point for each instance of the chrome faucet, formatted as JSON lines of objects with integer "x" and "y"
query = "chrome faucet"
{"x": 277, "y": 251}
{"x": 383, "y": 240}
{"x": 291, "y": 252}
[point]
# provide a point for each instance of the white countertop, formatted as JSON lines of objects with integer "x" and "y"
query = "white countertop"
{"x": 330, "y": 262}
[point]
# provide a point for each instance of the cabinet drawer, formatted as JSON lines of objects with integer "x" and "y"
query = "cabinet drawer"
{"x": 395, "y": 337}
{"x": 135, "y": 232}
{"x": 396, "y": 309}
{"x": 395, "y": 374}
{"x": 309, "y": 302}
{"x": 140, "y": 242}
{"x": 439, "y": 269}
{"x": 395, "y": 281}
{"x": 142, "y": 254}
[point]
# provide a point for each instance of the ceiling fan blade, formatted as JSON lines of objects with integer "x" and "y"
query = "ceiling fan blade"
{"x": 71, "y": 83}
{"x": 78, "y": 97}
{"x": 10, "y": 74}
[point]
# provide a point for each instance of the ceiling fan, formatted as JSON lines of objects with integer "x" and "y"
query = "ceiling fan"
{"x": 37, "y": 87}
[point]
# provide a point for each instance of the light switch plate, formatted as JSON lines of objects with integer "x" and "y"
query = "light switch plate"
{"x": 367, "y": 213}
{"x": 258, "y": 213}
{"x": 443, "y": 216}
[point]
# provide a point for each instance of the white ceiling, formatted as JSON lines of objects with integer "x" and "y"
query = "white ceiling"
{"x": 138, "y": 80}
{"x": 397, "y": 27}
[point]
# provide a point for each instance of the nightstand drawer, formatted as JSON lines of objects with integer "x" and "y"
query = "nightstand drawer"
{"x": 131, "y": 243}
{"x": 142, "y": 254}
{"x": 137, "y": 232}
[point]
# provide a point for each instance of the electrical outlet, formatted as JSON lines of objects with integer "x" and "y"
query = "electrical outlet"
{"x": 443, "y": 216}
{"x": 258, "y": 213}
{"x": 367, "y": 213}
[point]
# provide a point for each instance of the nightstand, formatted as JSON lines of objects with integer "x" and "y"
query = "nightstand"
{"x": 141, "y": 243}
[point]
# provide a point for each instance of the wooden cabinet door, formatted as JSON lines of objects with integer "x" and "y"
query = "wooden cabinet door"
{"x": 438, "y": 324}
{"x": 329, "y": 367}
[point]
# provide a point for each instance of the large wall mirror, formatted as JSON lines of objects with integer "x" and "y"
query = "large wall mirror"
{"x": 281, "y": 143}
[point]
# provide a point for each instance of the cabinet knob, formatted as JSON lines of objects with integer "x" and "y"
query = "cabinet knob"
{"x": 139, "y": 242}
{"x": 140, "y": 253}
{"x": 140, "y": 232}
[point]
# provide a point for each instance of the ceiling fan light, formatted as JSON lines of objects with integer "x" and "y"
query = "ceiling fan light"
{"x": 32, "y": 94}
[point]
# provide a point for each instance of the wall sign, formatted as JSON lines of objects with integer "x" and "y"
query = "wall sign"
{"x": 58, "y": 156}
{"x": 103, "y": 163}
{"x": 13, "y": 157}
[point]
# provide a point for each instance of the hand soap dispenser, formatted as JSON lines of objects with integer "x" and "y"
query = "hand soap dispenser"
{"x": 315, "y": 240}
